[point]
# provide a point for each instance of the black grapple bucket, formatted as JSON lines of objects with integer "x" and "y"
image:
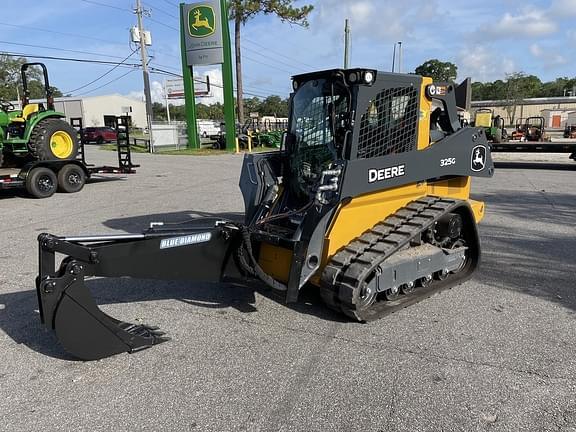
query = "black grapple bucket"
{"x": 67, "y": 306}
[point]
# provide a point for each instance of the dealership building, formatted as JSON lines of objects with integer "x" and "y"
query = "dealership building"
{"x": 557, "y": 111}
{"x": 100, "y": 110}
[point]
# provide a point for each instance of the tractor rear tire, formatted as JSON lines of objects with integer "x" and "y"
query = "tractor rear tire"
{"x": 41, "y": 182}
{"x": 497, "y": 137}
{"x": 71, "y": 179}
{"x": 53, "y": 139}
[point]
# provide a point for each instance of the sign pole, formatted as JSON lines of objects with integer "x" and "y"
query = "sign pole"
{"x": 229, "y": 116}
{"x": 187, "y": 75}
{"x": 205, "y": 39}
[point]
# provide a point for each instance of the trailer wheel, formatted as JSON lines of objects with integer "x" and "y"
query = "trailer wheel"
{"x": 41, "y": 182}
{"x": 71, "y": 179}
{"x": 53, "y": 139}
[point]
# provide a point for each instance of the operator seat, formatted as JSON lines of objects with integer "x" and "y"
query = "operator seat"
{"x": 26, "y": 112}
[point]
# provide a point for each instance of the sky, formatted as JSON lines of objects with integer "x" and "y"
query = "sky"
{"x": 485, "y": 39}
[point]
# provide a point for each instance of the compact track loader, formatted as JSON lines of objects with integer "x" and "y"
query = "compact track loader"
{"x": 368, "y": 200}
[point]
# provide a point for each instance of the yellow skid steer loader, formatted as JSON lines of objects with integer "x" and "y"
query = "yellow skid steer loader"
{"x": 367, "y": 199}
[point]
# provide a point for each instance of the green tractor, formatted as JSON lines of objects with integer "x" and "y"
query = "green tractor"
{"x": 493, "y": 125}
{"x": 36, "y": 131}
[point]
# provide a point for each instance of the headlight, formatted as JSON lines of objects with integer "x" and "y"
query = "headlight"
{"x": 368, "y": 77}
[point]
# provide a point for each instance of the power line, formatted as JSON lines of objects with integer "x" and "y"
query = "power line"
{"x": 170, "y": 3}
{"x": 163, "y": 24}
{"x": 59, "y": 49}
{"x": 71, "y": 59}
{"x": 106, "y": 5}
{"x": 177, "y": 74}
{"x": 277, "y": 53}
{"x": 165, "y": 72}
{"x": 109, "y": 82}
{"x": 103, "y": 75}
{"x": 58, "y": 32}
{"x": 267, "y": 57}
{"x": 266, "y": 64}
{"x": 160, "y": 10}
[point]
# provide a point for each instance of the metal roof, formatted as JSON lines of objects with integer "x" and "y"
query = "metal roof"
{"x": 528, "y": 101}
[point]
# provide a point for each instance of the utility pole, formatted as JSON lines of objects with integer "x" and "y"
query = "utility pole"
{"x": 346, "y": 45}
{"x": 144, "y": 56}
{"x": 393, "y": 57}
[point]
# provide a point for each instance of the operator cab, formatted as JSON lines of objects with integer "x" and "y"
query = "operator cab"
{"x": 342, "y": 115}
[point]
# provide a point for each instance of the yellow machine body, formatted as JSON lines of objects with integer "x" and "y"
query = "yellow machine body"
{"x": 363, "y": 212}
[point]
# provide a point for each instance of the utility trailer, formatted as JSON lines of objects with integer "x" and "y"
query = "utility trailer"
{"x": 536, "y": 147}
{"x": 42, "y": 178}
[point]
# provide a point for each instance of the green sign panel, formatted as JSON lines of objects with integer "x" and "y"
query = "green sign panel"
{"x": 203, "y": 33}
{"x": 201, "y": 21}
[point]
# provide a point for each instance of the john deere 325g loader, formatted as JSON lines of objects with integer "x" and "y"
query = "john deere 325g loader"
{"x": 368, "y": 200}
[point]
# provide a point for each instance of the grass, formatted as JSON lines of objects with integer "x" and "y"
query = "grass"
{"x": 133, "y": 148}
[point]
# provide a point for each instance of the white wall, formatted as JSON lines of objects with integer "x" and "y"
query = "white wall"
{"x": 96, "y": 107}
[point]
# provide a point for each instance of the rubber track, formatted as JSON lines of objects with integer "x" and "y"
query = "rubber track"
{"x": 344, "y": 275}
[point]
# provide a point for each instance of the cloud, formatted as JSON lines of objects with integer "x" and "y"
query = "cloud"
{"x": 483, "y": 65}
{"x": 530, "y": 23}
{"x": 550, "y": 58}
{"x": 375, "y": 20}
{"x": 156, "y": 91}
{"x": 563, "y": 8}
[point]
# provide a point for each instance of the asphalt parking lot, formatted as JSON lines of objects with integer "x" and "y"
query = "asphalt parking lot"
{"x": 497, "y": 353}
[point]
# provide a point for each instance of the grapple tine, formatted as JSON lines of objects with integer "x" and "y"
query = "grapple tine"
{"x": 81, "y": 327}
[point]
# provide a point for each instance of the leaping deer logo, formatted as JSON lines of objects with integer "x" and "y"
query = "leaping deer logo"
{"x": 201, "y": 23}
{"x": 478, "y": 158}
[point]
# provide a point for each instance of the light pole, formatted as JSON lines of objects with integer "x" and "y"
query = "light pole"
{"x": 400, "y": 57}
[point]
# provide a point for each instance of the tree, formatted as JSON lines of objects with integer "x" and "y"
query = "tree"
{"x": 11, "y": 80}
{"x": 241, "y": 11}
{"x": 252, "y": 105}
{"x": 274, "y": 106}
{"x": 518, "y": 87}
{"x": 159, "y": 111}
{"x": 437, "y": 70}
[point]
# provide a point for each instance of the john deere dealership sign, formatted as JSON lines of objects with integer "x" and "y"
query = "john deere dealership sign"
{"x": 204, "y": 33}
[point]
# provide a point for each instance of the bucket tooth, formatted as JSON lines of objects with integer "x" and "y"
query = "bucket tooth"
{"x": 81, "y": 327}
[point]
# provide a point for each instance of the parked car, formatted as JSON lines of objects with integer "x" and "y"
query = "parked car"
{"x": 98, "y": 135}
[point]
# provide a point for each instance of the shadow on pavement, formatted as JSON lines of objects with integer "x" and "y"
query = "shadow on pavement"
{"x": 525, "y": 207}
{"x": 21, "y": 192}
{"x": 533, "y": 250}
{"x": 141, "y": 223}
{"x": 20, "y": 320}
{"x": 517, "y": 257}
{"x": 568, "y": 166}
